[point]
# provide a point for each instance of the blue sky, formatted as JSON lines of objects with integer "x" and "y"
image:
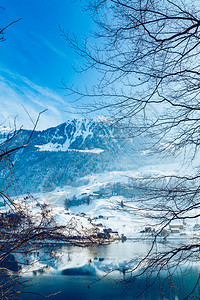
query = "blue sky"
{"x": 35, "y": 57}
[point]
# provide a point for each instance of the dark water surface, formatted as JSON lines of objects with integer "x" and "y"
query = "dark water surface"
{"x": 74, "y": 280}
{"x": 77, "y": 288}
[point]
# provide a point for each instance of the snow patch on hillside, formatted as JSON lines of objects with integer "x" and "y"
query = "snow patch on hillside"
{"x": 65, "y": 147}
{"x": 80, "y": 128}
{"x": 95, "y": 151}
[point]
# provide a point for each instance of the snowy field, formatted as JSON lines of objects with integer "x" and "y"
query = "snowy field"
{"x": 117, "y": 213}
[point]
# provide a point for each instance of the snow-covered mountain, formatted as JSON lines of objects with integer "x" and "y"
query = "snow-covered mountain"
{"x": 62, "y": 155}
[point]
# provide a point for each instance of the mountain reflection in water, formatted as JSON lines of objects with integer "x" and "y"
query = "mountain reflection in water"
{"x": 76, "y": 276}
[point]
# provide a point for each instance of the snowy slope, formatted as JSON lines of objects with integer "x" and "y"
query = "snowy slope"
{"x": 62, "y": 155}
{"x": 106, "y": 211}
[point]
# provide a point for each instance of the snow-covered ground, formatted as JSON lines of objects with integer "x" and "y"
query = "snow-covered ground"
{"x": 92, "y": 183}
{"x": 113, "y": 212}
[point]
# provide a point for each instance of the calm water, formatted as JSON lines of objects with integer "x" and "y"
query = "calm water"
{"x": 80, "y": 268}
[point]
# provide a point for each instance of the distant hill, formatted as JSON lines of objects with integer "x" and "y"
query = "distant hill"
{"x": 62, "y": 155}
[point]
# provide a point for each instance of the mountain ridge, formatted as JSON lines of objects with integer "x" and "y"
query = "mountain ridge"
{"x": 63, "y": 154}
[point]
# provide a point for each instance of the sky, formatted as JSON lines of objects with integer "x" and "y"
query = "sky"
{"x": 34, "y": 59}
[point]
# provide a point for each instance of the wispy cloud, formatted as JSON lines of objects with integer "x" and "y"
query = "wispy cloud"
{"x": 19, "y": 95}
{"x": 51, "y": 46}
{"x": 54, "y": 49}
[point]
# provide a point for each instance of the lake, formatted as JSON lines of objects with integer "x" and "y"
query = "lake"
{"x": 78, "y": 273}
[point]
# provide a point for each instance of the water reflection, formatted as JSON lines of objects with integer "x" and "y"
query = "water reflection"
{"x": 75, "y": 269}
